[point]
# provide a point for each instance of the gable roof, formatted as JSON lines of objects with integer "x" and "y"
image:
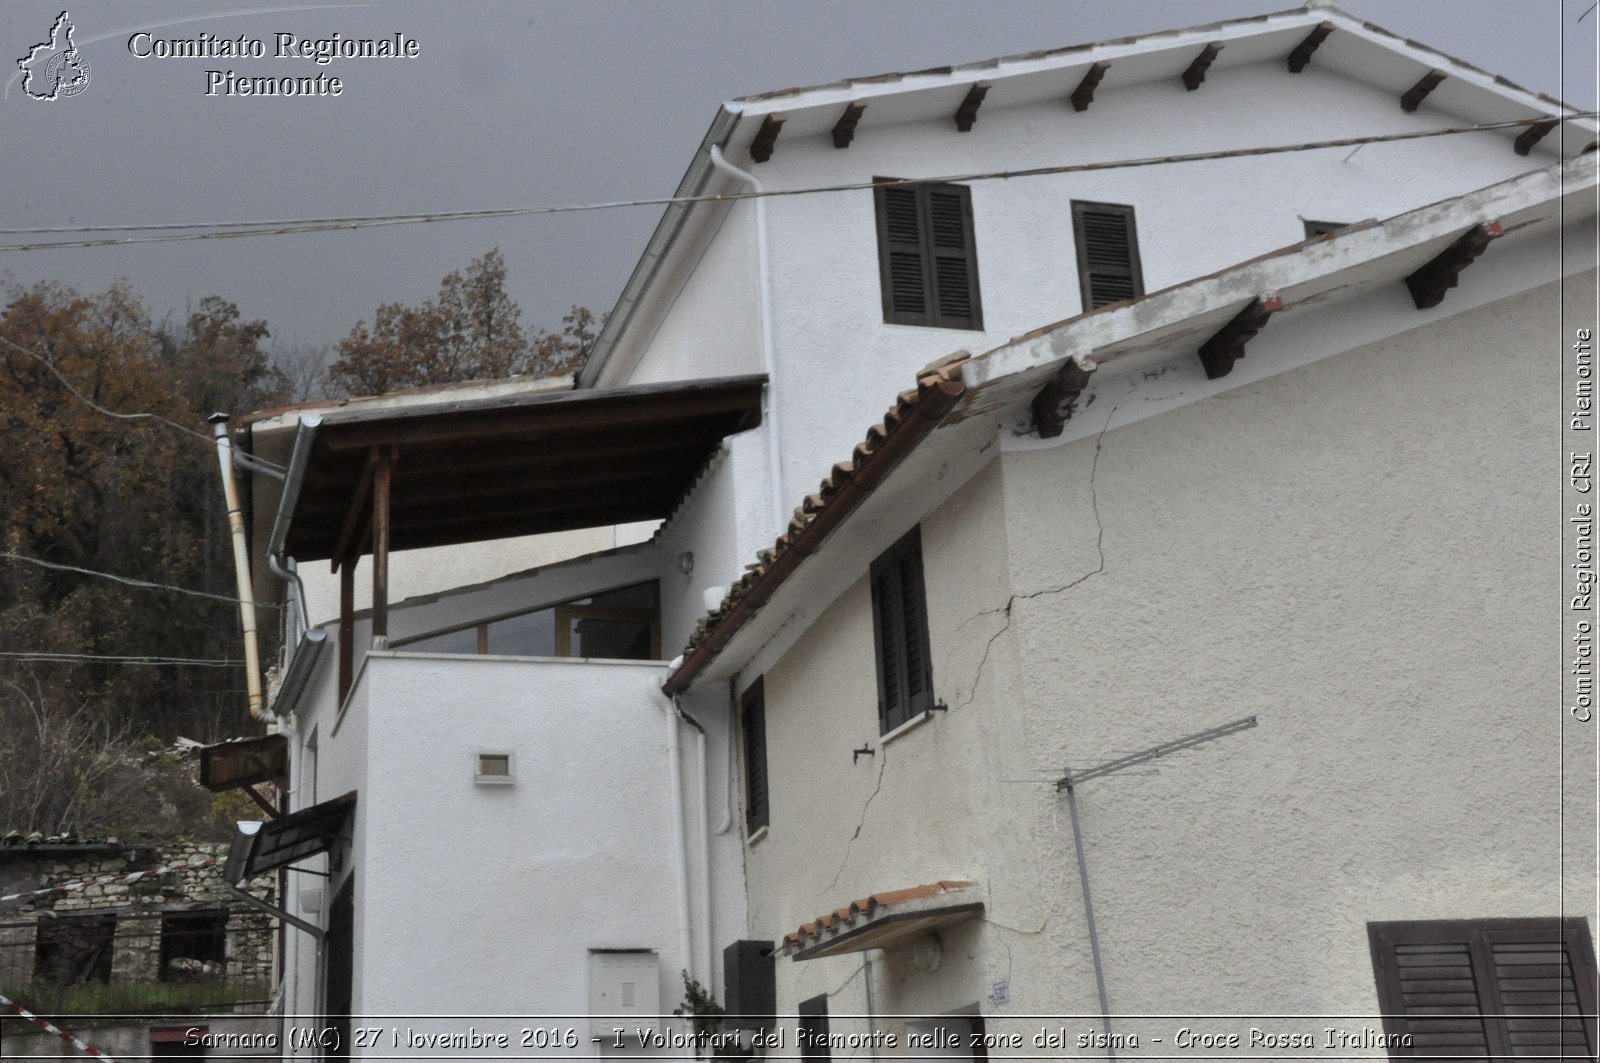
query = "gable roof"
{"x": 965, "y": 387}
{"x": 1353, "y": 47}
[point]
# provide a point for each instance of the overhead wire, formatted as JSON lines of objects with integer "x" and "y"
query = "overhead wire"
{"x": 50, "y": 365}
{"x": 129, "y": 580}
{"x": 285, "y": 227}
{"x": 67, "y": 658}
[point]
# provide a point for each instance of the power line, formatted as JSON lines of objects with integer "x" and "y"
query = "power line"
{"x": 285, "y": 227}
{"x": 45, "y": 361}
{"x": 130, "y": 581}
{"x": 66, "y": 658}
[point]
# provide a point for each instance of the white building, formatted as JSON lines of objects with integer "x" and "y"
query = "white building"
{"x": 534, "y": 828}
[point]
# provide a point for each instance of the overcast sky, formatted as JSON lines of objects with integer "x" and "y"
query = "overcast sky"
{"x": 518, "y": 104}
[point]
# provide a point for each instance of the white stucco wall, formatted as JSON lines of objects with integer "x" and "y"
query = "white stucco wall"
{"x": 1193, "y": 218}
{"x": 1362, "y": 552}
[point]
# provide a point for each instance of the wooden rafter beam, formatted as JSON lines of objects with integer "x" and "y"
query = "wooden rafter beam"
{"x": 1301, "y": 56}
{"x": 967, "y": 113}
{"x": 766, "y": 137}
{"x": 355, "y": 520}
{"x": 1430, "y": 283}
{"x": 1226, "y": 347}
{"x": 844, "y": 130}
{"x": 1417, "y": 93}
{"x": 1196, "y": 74}
{"x": 1083, "y": 95}
{"x": 1533, "y": 134}
{"x": 266, "y": 806}
{"x": 1053, "y": 406}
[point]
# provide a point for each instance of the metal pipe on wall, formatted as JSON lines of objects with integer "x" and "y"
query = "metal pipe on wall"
{"x": 241, "y": 566}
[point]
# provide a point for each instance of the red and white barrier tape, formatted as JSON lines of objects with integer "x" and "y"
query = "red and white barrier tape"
{"x": 109, "y": 880}
{"x": 49, "y": 1027}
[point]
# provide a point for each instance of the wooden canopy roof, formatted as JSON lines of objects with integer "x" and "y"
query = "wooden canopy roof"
{"x": 471, "y": 469}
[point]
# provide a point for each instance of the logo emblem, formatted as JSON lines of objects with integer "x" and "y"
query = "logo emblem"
{"x": 55, "y": 68}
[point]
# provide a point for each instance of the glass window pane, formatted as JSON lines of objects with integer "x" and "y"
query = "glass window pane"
{"x": 462, "y": 640}
{"x": 528, "y": 635}
{"x": 617, "y": 639}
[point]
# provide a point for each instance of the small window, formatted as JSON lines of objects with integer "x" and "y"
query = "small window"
{"x": 900, "y": 629}
{"x": 493, "y": 767}
{"x": 1324, "y": 228}
{"x": 193, "y": 945}
{"x": 753, "y": 722}
{"x": 74, "y": 949}
{"x": 927, "y": 258}
{"x": 1108, "y": 254}
{"x": 1494, "y": 987}
{"x": 814, "y": 1028}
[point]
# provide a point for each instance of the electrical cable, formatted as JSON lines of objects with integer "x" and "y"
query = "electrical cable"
{"x": 67, "y": 658}
{"x": 129, "y": 580}
{"x": 241, "y": 229}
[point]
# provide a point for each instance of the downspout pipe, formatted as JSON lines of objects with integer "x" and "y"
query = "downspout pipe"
{"x": 702, "y": 867}
{"x": 680, "y": 852}
{"x": 241, "y": 567}
{"x": 769, "y": 361}
{"x": 1088, "y": 913}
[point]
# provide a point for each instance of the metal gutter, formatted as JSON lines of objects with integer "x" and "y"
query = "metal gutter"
{"x": 655, "y": 254}
{"x": 299, "y": 459}
{"x": 301, "y": 666}
{"x": 924, "y": 415}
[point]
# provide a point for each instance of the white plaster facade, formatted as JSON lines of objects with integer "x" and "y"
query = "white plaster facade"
{"x": 1305, "y": 483}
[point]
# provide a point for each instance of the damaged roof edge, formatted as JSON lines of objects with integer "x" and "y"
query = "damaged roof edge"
{"x": 913, "y": 417}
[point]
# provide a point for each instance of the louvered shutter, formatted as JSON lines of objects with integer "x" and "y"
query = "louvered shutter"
{"x": 1108, "y": 253}
{"x": 900, "y": 629}
{"x": 754, "y": 723}
{"x": 927, "y": 257}
{"x": 1494, "y": 988}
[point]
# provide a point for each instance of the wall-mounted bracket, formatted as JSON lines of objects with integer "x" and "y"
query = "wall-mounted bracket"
{"x": 1430, "y": 283}
{"x": 1226, "y": 347}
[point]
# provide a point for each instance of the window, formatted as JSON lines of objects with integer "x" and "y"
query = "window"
{"x": 493, "y": 767}
{"x": 813, "y": 1032}
{"x": 74, "y": 949}
{"x": 1108, "y": 253}
{"x": 193, "y": 944}
{"x": 1323, "y": 228}
{"x": 621, "y": 624}
{"x": 927, "y": 259}
{"x": 753, "y": 722}
{"x": 1496, "y": 987}
{"x": 900, "y": 629}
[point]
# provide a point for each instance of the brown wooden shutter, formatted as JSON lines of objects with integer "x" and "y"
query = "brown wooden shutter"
{"x": 1108, "y": 253}
{"x": 927, "y": 257}
{"x": 1497, "y": 988}
{"x": 753, "y": 719}
{"x": 900, "y": 627}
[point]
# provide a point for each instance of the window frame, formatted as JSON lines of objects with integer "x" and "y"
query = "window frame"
{"x": 1079, "y": 235}
{"x": 753, "y": 709}
{"x": 890, "y": 568}
{"x": 925, "y": 247}
{"x": 1478, "y": 937}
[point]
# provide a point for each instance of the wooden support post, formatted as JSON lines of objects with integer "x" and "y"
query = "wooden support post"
{"x": 347, "y": 626}
{"x": 1419, "y": 92}
{"x": 1220, "y": 352}
{"x": 1053, "y": 406}
{"x": 1301, "y": 56}
{"x": 766, "y": 137}
{"x": 383, "y": 459}
{"x": 1196, "y": 74}
{"x": 844, "y": 131}
{"x": 967, "y": 113}
{"x": 1429, "y": 284}
{"x": 1083, "y": 95}
{"x": 1533, "y": 134}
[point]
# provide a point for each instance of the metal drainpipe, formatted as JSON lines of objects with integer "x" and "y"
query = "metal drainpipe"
{"x": 702, "y": 869}
{"x": 769, "y": 359}
{"x": 286, "y": 570}
{"x": 241, "y": 566}
{"x": 1088, "y": 912}
{"x": 680, "y": 854}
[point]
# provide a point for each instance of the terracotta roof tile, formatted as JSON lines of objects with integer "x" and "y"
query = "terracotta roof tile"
{"x": 866, "y": 908}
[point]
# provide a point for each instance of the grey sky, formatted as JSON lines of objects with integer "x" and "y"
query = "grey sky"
{"x": 518, "y": 104}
